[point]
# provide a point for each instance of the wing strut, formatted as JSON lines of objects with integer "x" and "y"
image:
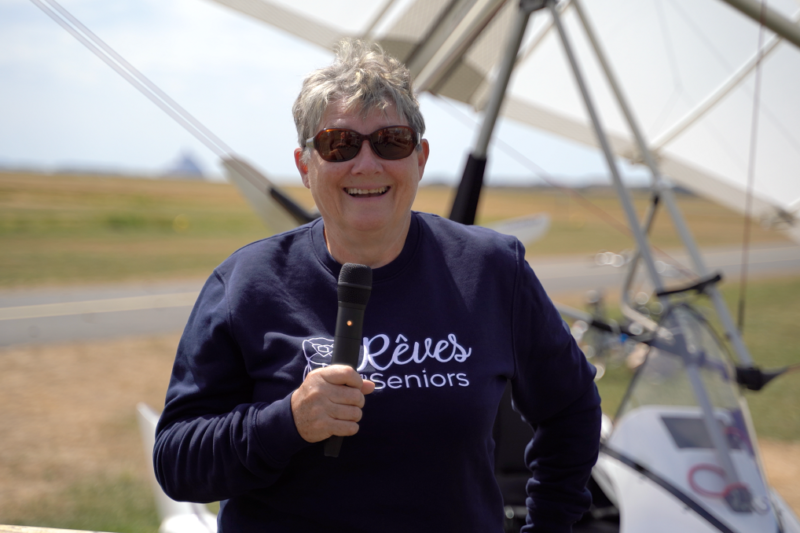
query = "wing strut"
{"x": 769, "y": 17}
{"x": 465, "y": 205}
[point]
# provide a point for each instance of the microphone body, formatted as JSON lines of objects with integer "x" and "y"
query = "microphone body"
{"x": 354, "y": 288}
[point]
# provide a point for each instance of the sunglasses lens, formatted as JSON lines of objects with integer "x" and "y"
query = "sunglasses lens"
{"x": 396, "y": 142}
{"x": 338, "y": 145}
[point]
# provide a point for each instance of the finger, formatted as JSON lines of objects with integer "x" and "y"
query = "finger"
{"x": 347, "y": 413}
{"x": 343, "y": 428}
{"x": 341, "y": 395}
{"x": 341, "y": 375}
{"x": 367, "y": 387}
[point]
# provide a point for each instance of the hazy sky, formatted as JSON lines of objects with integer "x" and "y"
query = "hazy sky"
{"x": 60, "y": 106}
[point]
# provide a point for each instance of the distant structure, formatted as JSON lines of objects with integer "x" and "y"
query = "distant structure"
{"x": 186, "y": 167}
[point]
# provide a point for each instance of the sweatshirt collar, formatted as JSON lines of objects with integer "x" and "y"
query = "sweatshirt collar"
{"x": 381, "y": 274}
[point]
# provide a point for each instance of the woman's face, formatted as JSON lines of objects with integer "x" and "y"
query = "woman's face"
{"x": 365, "y": 195}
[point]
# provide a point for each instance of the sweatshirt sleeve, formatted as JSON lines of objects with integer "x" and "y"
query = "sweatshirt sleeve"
{"x": 553, "y": 388}
{"x": 212, "y": 441}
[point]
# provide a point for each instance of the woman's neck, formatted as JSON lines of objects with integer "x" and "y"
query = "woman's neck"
{"x": 374, "y": 249}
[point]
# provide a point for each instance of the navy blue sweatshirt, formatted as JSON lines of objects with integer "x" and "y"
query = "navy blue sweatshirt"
{"x": 453, "y": 318}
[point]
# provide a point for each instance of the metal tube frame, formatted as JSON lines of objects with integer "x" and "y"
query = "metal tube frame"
{"x": 452, "y": 46}
{"x": 772, "y": 19}
{"x": 665, "y": 191}
{"x": 625, "y": 305}
{"x": 715, "y": 431}
{"x": 526, "y": 8}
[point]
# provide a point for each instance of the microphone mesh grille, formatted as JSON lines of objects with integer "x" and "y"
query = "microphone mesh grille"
{"x": 355, "y": 283}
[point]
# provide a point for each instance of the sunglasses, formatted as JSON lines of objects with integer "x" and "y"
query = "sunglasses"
{"x": 339, "y": 145}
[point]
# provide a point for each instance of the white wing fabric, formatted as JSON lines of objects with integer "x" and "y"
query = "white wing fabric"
{"x": 683, "y": 66}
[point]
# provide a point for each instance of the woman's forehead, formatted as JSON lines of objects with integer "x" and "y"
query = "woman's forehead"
{"x": 339, "y": 115}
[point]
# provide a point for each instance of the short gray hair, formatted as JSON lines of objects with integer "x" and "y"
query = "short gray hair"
{"x": 364, "y": 78}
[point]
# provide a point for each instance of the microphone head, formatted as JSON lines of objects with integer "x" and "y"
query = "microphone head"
{"x": 355, "y": 283}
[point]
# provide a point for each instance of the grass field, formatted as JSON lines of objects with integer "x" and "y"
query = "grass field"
{"x": 70, "y": 454}
{"x": 77, "y": 229}
{"x": 87, "y": 229}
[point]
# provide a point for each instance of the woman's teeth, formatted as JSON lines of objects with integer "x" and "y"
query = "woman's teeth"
{"x": 366, "y": 193}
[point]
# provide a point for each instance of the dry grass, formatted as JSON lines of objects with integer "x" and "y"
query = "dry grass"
{"x": 69, "y": 416}
{"x": 782, "y": 463}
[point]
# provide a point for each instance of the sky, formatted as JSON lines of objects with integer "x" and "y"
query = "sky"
{"x": 62, "y": 108}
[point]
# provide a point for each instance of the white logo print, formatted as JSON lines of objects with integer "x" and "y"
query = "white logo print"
{"x": 381, "y": 358}
{"x": 318, "y": 352}
{"x": 376, "y": 357}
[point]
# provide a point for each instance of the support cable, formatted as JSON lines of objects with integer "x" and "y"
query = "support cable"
{"x": 164, "y": 102}
{"x": 138, "y": 80}
{"x": 751, "y": 172}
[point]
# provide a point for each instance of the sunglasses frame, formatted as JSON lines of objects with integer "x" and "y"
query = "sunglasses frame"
{"x": 311, "y": 142}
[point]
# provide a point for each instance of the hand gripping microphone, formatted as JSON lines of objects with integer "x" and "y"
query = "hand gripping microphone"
{"x": 355, "y": 286}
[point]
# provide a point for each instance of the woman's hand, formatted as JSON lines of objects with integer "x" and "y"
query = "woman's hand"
{"x": 329, "y": 403}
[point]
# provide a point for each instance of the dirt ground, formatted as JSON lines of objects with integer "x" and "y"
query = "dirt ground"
{"x": 68, "y": 412}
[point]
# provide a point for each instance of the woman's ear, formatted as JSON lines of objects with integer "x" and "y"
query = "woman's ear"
{"x": 302, "y": 166}
{"x": 422, "y": 156}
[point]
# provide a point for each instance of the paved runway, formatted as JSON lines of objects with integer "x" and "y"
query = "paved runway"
{"x": 560, "y": 274}
{"x": 97, "y": 312}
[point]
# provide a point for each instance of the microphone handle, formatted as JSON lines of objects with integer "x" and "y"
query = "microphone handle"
{"x": 346, "y": 347}
{"x": 347, "y": 337}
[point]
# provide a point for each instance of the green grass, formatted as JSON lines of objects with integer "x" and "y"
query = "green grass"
{"x": 121, "y": 505}
{"x": 79, "y": 229}
{"x": 585, "y": 221}
{"x": 771, "y": 323}
{"x": 772, "y": 319}
{"x": 124, "y": 504}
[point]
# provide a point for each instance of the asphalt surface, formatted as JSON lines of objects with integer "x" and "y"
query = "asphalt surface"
{"x": 52, "y": 315}
{"x": 570, "y": 274}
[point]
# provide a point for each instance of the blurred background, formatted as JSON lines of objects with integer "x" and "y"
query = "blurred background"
{"x": 112, "y": 217}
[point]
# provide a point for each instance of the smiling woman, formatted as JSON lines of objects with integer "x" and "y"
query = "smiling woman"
{"x": 365, "y": 201}
{"x": 455, "y": 314}
{"x": 364, "y": 195}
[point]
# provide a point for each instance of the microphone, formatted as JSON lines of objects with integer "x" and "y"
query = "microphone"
{"x": 354, "y": 288}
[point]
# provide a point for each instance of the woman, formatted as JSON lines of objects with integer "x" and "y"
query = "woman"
{"x": 455, "y": 313}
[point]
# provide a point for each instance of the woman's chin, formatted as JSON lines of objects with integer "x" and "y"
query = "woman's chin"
{"x": 374, "y": 223}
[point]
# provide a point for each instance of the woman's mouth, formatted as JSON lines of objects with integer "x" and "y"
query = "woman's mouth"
{"x": 366, "y": 193}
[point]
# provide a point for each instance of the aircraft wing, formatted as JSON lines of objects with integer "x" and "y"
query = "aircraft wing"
{"x": 687, "y": 70}
{"x": 287, "y": 20}
{"x": 278, "y": 212}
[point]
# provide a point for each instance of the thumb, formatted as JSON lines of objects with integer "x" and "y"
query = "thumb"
{"x": 367, "y": 387}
